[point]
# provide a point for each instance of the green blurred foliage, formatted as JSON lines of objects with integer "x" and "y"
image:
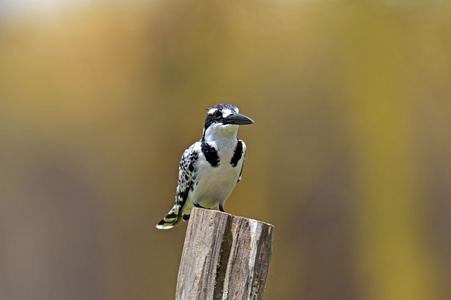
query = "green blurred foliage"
{"x": 349, "y": 156}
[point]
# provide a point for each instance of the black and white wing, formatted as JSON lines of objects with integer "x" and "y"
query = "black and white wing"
{"x": 187, "y": 175}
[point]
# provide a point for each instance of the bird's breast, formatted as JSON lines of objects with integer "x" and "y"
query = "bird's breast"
{"x": 214, "y": 184}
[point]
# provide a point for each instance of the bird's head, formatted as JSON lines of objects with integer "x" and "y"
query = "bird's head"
{"x": 224, "y": 119}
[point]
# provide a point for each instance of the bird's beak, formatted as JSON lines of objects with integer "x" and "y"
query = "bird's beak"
{"x": 237, "y": 119}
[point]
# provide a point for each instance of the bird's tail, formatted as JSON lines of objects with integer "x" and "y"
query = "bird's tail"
{"x": 173, "y": 217}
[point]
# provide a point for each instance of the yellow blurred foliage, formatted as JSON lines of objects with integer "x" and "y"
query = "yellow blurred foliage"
{"x": 349, "y": 156}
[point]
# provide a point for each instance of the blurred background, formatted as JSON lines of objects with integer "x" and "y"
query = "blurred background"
{"x": 349, "y": 156}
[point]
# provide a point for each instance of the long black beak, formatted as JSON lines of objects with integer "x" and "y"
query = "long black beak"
{"x": 237, "y": 119}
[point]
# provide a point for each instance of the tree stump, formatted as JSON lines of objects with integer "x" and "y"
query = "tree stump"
{"x": 224, "y": 257}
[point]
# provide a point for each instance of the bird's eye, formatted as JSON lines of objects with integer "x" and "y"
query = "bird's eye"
{"x": 218, "y": 114}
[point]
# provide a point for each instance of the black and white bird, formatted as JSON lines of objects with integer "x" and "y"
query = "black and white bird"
{"x": 211, "y": 167}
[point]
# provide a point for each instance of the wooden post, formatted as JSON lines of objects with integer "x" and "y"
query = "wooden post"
{"x": 224, "y": 257}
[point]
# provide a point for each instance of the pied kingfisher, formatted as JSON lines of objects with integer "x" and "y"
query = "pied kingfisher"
{"x": 210, "y": 168}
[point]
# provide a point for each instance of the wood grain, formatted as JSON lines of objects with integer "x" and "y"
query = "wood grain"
{"x": 224, "y": 257}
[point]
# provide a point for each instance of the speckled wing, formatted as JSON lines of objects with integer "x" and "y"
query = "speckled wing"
{"x": 187, "y": 175}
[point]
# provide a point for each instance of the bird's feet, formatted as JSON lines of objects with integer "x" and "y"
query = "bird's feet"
{"x": 198, "y": 205}
{"x": 221, "y": 207}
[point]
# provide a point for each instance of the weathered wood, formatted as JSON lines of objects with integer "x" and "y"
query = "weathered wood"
{"x": 224, "y": 257}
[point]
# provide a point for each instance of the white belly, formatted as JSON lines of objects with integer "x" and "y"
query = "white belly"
{"x": 214, "y": 185}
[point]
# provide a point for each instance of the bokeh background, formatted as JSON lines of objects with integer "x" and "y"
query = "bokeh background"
{"x": 349, "y": 156}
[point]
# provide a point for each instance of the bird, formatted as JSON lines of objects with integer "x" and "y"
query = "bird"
{"x": 211, "y": 167}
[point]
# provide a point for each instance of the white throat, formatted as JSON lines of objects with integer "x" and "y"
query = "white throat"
{"x": 220, "y": 133}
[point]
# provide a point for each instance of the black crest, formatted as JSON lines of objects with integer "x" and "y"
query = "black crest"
{"x": 216, "y": 116}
